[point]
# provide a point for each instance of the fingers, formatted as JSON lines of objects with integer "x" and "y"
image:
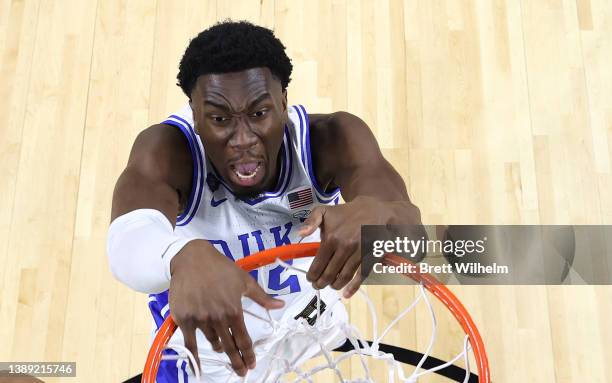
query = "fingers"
{"x": 231, "y": 350}
{"x": 353, "y": 285}
{"x": 243, "y": 341}
{"x": 333, "y": 268}
{"x": 347, "y": 272}
{"x": 227, "y": 334}
{"x": 191, "y": 343}
{"x": 313, "y": 221}
{"x": 334, "y": 264}
{"x": 212, "y": 336}
{"x": 259, "y": 296}
{"x": 318, "y": 265}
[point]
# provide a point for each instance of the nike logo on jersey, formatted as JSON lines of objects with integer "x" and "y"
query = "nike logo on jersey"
{"x": 214, "y": 203}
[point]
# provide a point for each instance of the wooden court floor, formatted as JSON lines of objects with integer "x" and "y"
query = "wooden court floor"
{"x": 493, "y": 111}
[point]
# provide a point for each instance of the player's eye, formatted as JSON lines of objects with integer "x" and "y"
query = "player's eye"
{"x": 219, "y": 119}
{"x": 259, "y": 113}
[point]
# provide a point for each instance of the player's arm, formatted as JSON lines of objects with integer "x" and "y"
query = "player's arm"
{"x": 349, "y": 157}
{"x": 346, "y": 155}
{"x": 145, "y": 254}
{"x": 157, "y": 176}
{"x": 148, "y": 195}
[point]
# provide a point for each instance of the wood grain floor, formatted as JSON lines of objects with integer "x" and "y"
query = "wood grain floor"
{"x": 493, "y": 111}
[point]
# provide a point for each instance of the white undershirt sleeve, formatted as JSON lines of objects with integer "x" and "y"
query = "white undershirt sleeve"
{"x": 140, "y": 246}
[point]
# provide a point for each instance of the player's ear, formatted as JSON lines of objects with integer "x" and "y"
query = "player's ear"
{"x": 193, "y": 112}
{"x": 285, "y": 113}
{"x": 284, "y": 100}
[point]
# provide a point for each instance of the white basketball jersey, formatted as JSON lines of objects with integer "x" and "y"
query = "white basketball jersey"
{"x": 240, "y": 227}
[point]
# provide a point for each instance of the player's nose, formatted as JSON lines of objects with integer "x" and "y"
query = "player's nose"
{"x": 244, "y": 137}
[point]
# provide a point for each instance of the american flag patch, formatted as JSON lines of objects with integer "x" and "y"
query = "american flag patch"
{"x": 300, "y": 198}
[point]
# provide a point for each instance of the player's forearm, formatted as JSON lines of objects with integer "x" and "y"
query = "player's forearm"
{"x": 140, "y": 247}
{"x": 384, "y": 184}
{"x": 384, "y": 187}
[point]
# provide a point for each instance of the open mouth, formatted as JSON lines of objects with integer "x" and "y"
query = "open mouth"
{"x": 247, "y": 173}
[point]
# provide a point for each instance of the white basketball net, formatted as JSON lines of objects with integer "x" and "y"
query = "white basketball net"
{"x": 362, "y": 349}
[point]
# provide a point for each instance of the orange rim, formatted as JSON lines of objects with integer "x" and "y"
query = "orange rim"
{"x": 455, "y": 306}
{"x": 304, "y": 250}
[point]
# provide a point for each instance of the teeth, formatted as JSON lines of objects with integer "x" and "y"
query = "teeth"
{"x": 247, "y": 176}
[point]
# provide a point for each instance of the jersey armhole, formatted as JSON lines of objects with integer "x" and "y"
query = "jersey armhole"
{"x": 322, "y": 195}
{"x": 197, "y": 182}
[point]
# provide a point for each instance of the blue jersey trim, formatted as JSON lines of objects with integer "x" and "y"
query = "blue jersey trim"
{"x": 301, "y": 138}
{"x": 306, "y": 155}
{"x": 184, "y": 370}
{"x": 156, "y": 305}
{"x": 168, "y": 370}
{"x": 193, "y": 151}
{"x": 335, "y": 199}
{"x": 198, "y": 183}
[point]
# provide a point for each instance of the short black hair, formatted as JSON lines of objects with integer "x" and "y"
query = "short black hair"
{"x": 233, "y": 46}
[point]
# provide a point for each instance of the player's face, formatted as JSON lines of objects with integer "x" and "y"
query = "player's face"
{"x": 240, "y": 118}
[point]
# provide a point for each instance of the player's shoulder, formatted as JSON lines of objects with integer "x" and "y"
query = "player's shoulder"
{"x": 161, "y": 147}
{"x": 330, "y": 136}
{"x": 334, "y": 128}
{"x": 162, "y": 139}
{"x": 161, "y": 136}
{"x": 340, "y": 140}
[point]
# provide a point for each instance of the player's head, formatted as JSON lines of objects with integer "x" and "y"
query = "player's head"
{"x": 235, "y": 75}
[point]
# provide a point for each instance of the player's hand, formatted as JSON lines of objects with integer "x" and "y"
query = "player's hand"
{"x": 205, "y": 293}
{"x": 339, "y": 258}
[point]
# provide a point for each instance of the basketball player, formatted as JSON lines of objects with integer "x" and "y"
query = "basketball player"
{"x": 236, "y": 171}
